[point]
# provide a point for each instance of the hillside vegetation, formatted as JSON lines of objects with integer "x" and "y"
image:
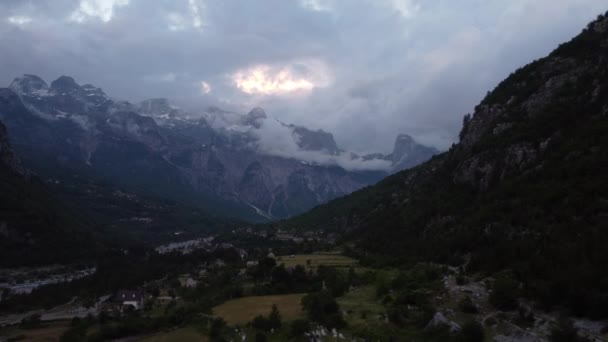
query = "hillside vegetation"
{"x": 525, "y": 189}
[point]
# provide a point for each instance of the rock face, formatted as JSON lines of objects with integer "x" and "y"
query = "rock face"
{"x": 408, "y": 153}
{"x": 320, "y": 140}
{"x": 211, "y": 158}
{"x": 7, "y": 157}
{"x": 439, "y": 320}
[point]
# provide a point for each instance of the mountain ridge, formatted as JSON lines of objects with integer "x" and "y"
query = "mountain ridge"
{"x": 524, "y": 189}
{"x": 198, "y": 158}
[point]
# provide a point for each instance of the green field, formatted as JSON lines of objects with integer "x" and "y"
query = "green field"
{"x": 47, "y": 332}
{"x": 361, "y": 306}
{"x": 312, "y": 261}
{"x": 184, "y": 334}
{"x": 243, "y": 310}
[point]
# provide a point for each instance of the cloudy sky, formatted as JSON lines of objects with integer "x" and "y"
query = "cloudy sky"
{"x": 365, "y": 70}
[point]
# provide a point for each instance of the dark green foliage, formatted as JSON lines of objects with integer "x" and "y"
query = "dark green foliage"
{"x": 542, "y": 216}
{"x": 466, "y": 305}
{"x": 275, "y": 318}
{"x": 260, "y": 337}
{"x": 217, "y": 328}
{"x": 36, "y": 222}
{"x": 268, "y": 323}
{"x": 322, "y": 308}
{"x": 77, "y": 331}
{"x": 299, "y": 327}
{"x": 472, "y": 331}
{"x": 31, "y": 321}
{"x": 261, "y": 323}
{"x": 504, "y": 293}
{"x": 566, "y": 332}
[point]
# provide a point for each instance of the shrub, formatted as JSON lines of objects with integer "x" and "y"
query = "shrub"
{"x": 566, "y": 332}
{"x": 466, "y": 305}
{"x": 299, "y": 327}
{"x": 217, "y": 329}
{"x": 504, "y": 294}
{"x": 323, "y": 308}
{"x": 261, "y": 323}
{"x": 260, "y": 337}
{"x": 275, "y": 318}
{"x": 472, "y": 331}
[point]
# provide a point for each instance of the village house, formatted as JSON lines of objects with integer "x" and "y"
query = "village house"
{"x": 129, "y": 298}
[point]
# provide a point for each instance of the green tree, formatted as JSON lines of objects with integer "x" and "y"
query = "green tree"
{"x": 216, "y": 330}
{"x": 565, "y": 331}
{"x": 504, "y": 294}
{"x": 472, "y": 331}
{"x": 275, "y": 318}
{"x": 299, "y": 327}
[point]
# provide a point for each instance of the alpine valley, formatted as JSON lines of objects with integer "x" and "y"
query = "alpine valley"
{"x": 147, "y": 222}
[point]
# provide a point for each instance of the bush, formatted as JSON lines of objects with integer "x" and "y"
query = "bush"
{"x": 275, "y": 318}
{"x": 504, "y": 294}
{"x": 260, "y": 337}
{"x": 261, "y": 323}
{"x": 299, "y": 327}
{"x": 323, "y": 308}
{"x": 472, "y": 331}
{"x": 273, "y": 321}
{"x": 217, "y": 329}
{"x": 566, "y": 332}
{"x": 466, "y": 305}
{"x": 32, "y": 321}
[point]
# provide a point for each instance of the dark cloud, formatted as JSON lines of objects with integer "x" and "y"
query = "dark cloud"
{"x": 365, "y": 70}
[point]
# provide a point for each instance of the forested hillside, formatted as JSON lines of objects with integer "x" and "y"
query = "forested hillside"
{"x": 34, "y": 228}
{"x": 525, "y": 189}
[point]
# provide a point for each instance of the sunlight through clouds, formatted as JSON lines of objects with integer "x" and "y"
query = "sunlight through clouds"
{"x": 205, "y": 87}
{"x": 195, "y": 11}
{"x": 407, "y": 8}
{"x": 101, "y": 9}
{"x": 294, "y": 78}
{"x": 19, "y": 20}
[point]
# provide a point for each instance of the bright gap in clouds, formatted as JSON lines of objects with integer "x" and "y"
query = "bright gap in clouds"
{"x": 102, "y": 9}
{"x": 205, "y": 87}
{"x": 19, "y": 20}
{"x": 294, "y": 78}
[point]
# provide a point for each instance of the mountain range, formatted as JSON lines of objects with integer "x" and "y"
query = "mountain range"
{"x": 247, "y": 166}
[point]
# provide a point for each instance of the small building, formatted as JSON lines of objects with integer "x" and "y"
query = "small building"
{"x": 129, "y": 298}
{"x": 190, "y": 283}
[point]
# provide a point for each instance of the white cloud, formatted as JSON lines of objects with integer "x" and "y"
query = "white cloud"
{"x": 407, "y": 8}
{"x": 316, "y": 5}
{"x": 195, "y": 11}
{"x": 205, "y": 87}
{"x": 176, "y": 22}
{"x": 19, "y": 20}
{"x": 101, "y": 9}
{"x": 168, "y": 77}
{"x": 276, "y": 139}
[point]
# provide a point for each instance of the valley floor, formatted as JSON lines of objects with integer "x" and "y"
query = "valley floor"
{"x": 220, "y": 293}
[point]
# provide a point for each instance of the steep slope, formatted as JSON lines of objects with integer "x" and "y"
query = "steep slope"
{"x": 34, "y": 229}
{"x": 525, "y": 189}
